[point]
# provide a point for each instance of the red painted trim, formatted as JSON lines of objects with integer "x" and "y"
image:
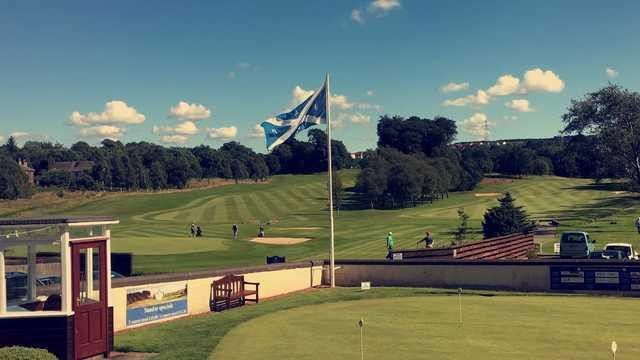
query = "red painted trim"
{"x": 102, "y": 304}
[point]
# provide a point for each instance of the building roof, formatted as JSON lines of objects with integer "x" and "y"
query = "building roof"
{"x": 55, "y": 220}
{"x": 72, "y": 166}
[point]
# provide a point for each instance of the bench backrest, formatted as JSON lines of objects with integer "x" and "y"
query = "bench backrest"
{"x": 235, "y": 283}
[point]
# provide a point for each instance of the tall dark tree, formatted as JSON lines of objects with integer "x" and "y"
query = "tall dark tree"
{"x": 506, "y": 219}
{"x": 13, "y": 182}
{"x": 157, "y": 176}
{"x": 338, "y": 190}
{"x": 612, "y": 114}
{"x": 11, "y": 147}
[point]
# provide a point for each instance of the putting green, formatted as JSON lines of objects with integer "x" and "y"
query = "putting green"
{"x": 426, "y": 327}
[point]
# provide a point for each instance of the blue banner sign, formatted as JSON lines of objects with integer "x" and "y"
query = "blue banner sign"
{"x": 619, "y": 278}
{"x": 153, "y": 303}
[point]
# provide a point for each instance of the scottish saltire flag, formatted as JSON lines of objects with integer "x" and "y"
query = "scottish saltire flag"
{"x": 312, "y": 111}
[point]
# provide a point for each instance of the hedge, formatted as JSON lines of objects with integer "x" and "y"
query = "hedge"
{"x": 25, "y": 353}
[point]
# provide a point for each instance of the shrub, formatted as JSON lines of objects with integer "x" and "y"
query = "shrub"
{"x": 506, "y": 219}
{"x": 25, "y": 353}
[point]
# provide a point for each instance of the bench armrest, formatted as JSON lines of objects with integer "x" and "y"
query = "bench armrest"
{"x": 252, "y": 283}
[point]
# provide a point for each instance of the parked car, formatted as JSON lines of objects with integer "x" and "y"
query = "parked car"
{"x": 576, "y": 245}
{"x": 16, "y": 283}
{"x": 624, "y": 248}
{"x": 607, "y": 254}
{"x": 49, "y": 280}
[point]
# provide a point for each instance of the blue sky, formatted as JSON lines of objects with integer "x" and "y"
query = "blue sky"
{"x": 194, "y": 72}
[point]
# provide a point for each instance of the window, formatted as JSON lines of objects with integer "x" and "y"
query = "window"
{"x": 33, "y": 277}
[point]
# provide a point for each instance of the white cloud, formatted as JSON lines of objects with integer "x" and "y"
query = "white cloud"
{"x": 356, "y": 15}
{"x": 257, "y": 132}
{"x": 359, "y": 119}
{"x": 480, "y": 98}
{"x": 174, "y": 139}
{"x": 2, "y": 139}
{"x": 19, "y": 135}
{"x": 542, "y": 80}
{"x": 477, "y": 125}
{"x": 115, "y": 112}
{"x": 521, "y": 105}
{"x": 505, "y": 85}
{"x": 222, "y": 132}
{"x": 243, "y": 65}
{"x": 186, "y": 111}
{"x": 300, "y": 95}
{"x": 186, "y": 128}
{"x": 370, "y": 93}
{"x": 451, "y": 87}
{"x": 176, "y": 135}
{"x": 367, "y": 106}
{"x": 339, "y": 101}
{"x": 338, "y": 121}
{"x": 611, "y": 72}
{"x": 384, "y": 5}
{"x": 231, "y": 75}
{"x": 102, "y": 132}
{"x": 161, "y": 129}
{"x": 510, "y": 118}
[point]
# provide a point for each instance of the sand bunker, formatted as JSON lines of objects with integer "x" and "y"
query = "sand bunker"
{"x": 487, "y": 194}
{"x": 279, "y": 240}
{"x": 620, "y": 192}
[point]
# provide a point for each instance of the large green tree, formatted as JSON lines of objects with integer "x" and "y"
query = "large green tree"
{"x": 13, "y": 182}
{"x": 612, "y": 114}
{"x": 506, "y": 219}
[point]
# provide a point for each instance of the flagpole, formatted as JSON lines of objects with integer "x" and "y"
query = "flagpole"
{"x": 332, "y": 265}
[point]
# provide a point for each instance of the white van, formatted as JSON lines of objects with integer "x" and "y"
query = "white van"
{"x": 576, "y": 245}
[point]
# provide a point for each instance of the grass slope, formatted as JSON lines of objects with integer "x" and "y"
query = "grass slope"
{"x": 155, "y": 226}
{"x": 401, "y": 323}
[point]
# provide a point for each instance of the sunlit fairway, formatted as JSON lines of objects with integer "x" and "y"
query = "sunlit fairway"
{"x": 155, "y": 226}
{"x": 403, "y": 323}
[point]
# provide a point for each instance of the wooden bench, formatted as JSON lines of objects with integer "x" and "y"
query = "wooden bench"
{"x": 230, "y": 291}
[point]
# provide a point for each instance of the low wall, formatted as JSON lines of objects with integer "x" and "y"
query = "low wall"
{"x": 517, "y": 275}
{"x": 275, "y": 279}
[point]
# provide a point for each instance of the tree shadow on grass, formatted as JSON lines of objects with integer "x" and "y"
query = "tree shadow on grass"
{"x": 599, "y": 210}
{"x": 608, "y": 186}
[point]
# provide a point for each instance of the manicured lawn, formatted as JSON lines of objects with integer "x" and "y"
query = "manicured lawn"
{"x": 402, "y": 323}
{"x": 155, "y": 226}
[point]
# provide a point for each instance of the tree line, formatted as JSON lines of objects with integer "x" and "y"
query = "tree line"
{"x": 600, "y": 140}
{"x": 143, "y": 166}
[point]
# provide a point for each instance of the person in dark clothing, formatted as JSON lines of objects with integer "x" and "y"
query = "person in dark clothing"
{"x": 428, "y": 240}
{"x": 193, "y": 229}
{"x": 261, "y": 230}
{"x": 234, "y": 228}
{"x": 198, "y": 231}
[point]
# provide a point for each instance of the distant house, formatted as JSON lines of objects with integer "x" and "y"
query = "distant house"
{"x": 358, "y": 155}
{"x": 74, "y": 167}
{"x": 27, "y": 170}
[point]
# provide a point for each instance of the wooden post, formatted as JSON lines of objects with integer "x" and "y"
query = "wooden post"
{"x": 65, "y": 265}
{"x": 32, "y": 272}
{"x": 107, "y": 234}
{"x": 3, "y": 284}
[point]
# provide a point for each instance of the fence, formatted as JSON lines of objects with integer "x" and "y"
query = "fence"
{"x": 514, "y": 246}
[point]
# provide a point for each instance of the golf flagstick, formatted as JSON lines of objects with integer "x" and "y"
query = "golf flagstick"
{"x": 460, "y": 306}
{"x": 361, "y": 325}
